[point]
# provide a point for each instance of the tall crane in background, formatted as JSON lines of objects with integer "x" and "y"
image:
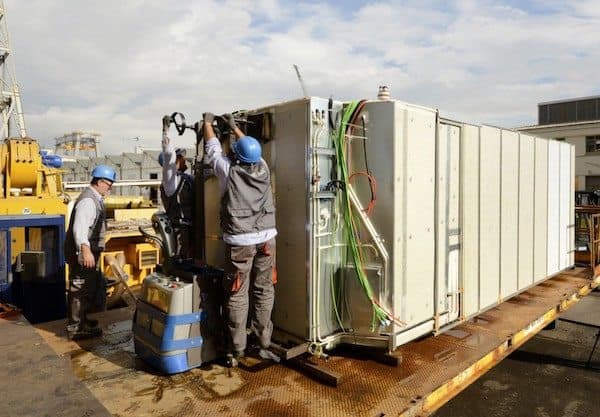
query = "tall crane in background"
{"x": 13, "y": 121}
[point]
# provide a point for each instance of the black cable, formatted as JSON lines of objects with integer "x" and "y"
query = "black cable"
{"x": 335, "y": 185}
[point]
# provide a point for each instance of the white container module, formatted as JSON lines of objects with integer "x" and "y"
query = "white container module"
{"x": 461, "y": 218}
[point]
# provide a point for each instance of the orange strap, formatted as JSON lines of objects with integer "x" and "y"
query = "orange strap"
{"x": 237, "y": 283}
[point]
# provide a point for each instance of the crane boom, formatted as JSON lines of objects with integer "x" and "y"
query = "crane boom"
{"x": 11, "y": 110}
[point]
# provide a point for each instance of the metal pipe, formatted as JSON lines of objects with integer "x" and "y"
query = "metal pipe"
{"x": 141, "y": 183}
{"x": 370, "y": 229}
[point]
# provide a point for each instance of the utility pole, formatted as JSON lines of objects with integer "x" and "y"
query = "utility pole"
{"x": 11, "y": 110}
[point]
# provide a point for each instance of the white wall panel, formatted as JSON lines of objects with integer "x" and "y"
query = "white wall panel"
{"x": 448, "y": 224}
{"x": 509, "y": 214}
{"x": 489, "y": 215}
{"x": 442, "y": 199}
{"x": 470, "y": 218}
{"x": 553, "y": 207}
{"x": 454, "y": 225}
{"x": 417, "y": 158}
{"x": 526, "y": 213}
{"x": 540, "y": 242}
{"x": 565, "y": 191}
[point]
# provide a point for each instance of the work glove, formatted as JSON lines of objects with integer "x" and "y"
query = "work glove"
{"x": 208, "y": 118}
{"x": 230, "y": 121}
{"x": 166, "y": 122}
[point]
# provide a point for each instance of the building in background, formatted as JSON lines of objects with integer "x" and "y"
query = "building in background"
{"x": 576, "y": 121}
{"x": 78, "y": 143}
{"x": 131, "y": 167}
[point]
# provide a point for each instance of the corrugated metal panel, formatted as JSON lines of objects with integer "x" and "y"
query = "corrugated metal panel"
{"x": 70, "y": 171}
{"x": 126, "y": 170}
{"x": 134, "y": 157}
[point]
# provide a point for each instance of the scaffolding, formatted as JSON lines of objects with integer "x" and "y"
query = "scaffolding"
{"x": 78, "y": 144}
{"x": 11, "y": 111}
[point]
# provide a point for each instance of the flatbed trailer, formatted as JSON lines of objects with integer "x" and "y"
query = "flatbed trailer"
{"x": 46, "y": 374}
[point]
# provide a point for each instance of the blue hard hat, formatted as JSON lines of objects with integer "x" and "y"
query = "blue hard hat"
{"x": 247, "y": 149}
{"x": 104, "y": 172}
{"x": 178, "y": 152}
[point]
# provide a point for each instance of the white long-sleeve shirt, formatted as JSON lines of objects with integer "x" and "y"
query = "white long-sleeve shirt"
{"x": 170, "y": 179}
{"x": 220, "y": 164}
{"x": 85, "y": 216}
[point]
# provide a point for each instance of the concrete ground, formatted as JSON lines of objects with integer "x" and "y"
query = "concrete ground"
{"x": 547, "y": 377}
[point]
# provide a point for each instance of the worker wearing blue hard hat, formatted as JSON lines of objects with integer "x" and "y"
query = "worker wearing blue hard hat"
{"x": 176, "y": 192}
{"x": 83, "y": 244}
{"x": 248, "y": 225}
{"x": 179, "y": 153}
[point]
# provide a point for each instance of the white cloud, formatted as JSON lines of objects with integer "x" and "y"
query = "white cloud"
{"x": 117, "y": 66}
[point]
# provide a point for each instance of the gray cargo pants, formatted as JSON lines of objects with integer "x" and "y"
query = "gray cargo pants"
{"x": 87, "y": 293}
{"x": 250, "y": 267}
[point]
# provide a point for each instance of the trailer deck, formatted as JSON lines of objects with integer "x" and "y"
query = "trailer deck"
{"x": 103, "y": 377}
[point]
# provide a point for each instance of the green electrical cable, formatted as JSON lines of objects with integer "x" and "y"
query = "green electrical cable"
{"x": 379, "y": 314}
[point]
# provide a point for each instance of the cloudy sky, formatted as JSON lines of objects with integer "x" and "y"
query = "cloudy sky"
{"x": 116, "y": 66}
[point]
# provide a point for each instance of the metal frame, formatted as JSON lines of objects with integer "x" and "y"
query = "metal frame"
{"x": 9, "y": 222}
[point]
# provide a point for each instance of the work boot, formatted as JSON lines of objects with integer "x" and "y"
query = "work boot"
{"x": 86, "y": 333}
{"x": 268, "y": 355}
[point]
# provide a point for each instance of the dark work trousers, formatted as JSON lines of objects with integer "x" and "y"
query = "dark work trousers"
{"x": 183, "y": 234}
{"x": 87, "y": 293}
{"x": 249, "y": 277}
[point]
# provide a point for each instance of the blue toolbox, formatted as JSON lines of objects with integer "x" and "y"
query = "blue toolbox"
{"x": 177, "y": 325}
